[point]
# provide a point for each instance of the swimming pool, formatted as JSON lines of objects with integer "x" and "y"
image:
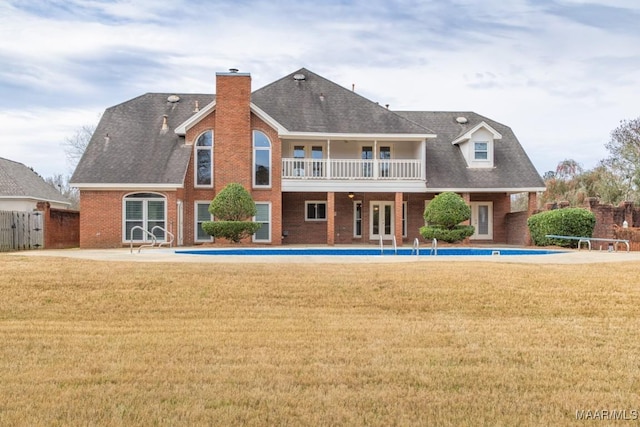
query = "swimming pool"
{"x": 368, "y": 251}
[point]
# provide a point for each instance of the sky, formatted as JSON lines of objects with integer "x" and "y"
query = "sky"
{"x": 562, "y": 74}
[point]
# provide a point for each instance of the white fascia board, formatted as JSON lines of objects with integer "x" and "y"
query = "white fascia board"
{"x": 267, "y": 118}
{"x": 346, "y": 186}
{"x": 467, "y": 136}
{"x": 356, "y": 136}
{"x": 487, "y": 190}
{"x": 126, "y": 186}
{"x": 34, "y": 199}
{"x": 191, "y": 121}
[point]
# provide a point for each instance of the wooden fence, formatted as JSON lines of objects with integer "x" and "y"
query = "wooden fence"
{"x": 21, "y": 230}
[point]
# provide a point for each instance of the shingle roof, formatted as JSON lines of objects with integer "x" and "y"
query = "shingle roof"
{"x": 19, "y": 181}
{"x": 129, "y": 145}
{"x": 316, "y": 104}
{"x": 447, "y": 168}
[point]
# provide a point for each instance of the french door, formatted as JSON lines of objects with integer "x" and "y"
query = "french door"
{"x": 381, "y": 220}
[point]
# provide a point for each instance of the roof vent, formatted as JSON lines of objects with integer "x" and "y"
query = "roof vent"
{"x": 462, "y": 120}
{"x": 298, "y": 77}
{"x": 173, "y": 98}
{"x": 233, "y": 70}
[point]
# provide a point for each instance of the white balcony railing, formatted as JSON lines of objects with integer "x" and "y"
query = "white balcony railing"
{"x": 352, "y": 169}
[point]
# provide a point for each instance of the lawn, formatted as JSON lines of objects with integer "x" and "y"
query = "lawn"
{"x": 442, "y": 343}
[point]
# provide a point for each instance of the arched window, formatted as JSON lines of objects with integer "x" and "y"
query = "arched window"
{"x": 261, "y": 160}
{"x": 146, "y": 210}
{"x": 204, "y": 160}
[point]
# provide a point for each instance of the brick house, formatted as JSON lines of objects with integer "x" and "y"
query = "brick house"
{"x": 323, "y": 164}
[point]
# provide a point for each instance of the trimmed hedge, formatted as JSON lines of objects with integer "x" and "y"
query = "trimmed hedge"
{"x": 449, "y": 235}
{"x": 443, "y": 216}
{"x": 231, "y": 230}
{"x": 231, "y": 208}
{"x": 576, "y": 222}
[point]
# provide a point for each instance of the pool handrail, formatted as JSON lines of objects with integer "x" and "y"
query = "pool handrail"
{"x": 434, "y": 247}
{"x": 147, "y": 232}
{"x": 588, "y": 240}
{"x": 416, "y": 246}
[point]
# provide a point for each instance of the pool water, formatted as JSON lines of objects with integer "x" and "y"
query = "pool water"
{"x": 368, "y": 251}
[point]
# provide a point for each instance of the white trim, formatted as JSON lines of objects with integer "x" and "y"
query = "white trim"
{"x": 345, "y": 186}
{"x": 125, "y": 186}
{"x": 253, "y": 238}
{"x": 355, "y": 218}
{"x": 485, "y": 190}
{"x": 191, "y": 121}
{"x": 474, "y": 220}
{"x": 35, "y": 199}
{"x": 382, "y": 204}
{"x": 197, "y": 148}
{"x": 253, "y": 160}
{"x": 405, "y": 219}
{"x": 315, "y": 202}
{"x": 267, "y": 118}
{"x": 195, "y": 220}
{"x": 145, "y": 216}
{"x": 467, "y": 136}
{"x": 356, "y": 136}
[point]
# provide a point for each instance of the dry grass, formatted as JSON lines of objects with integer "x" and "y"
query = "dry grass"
{"x": 98, "y": 343}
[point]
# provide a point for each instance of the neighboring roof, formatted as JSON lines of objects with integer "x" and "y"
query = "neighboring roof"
{"x": 20, "y": 182}
{"x": 447, "y": 168}
{"x": 317, "y": 105}
{"x": 129, "y": 146}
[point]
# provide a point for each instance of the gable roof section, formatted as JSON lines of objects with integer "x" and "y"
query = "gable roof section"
{"x": 317, "y": 105}
{"x": 469, "y": 133}
{"x": 447, "y": 168}
{"x": 20, "y": 182}
{"x": 129, "y": 145}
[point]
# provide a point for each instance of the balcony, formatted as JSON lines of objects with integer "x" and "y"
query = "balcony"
{"x": 352, "y": 169}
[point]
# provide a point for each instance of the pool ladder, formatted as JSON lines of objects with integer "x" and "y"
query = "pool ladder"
{"x": 154, "y": 239}
{"x": 395, "y": 245}
{"x": 416, "y": 247}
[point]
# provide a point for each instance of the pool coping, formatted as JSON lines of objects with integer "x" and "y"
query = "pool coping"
{"x": 169, "y": 255}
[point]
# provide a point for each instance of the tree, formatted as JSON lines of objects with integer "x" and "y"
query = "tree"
{"x": 61, "y": 183}
{"x": 231, "y": 208}
{"x": 75, "y": 145}
{"x": 624, "y": 158}
{"x": 74, "y": 148}
{"x": 443, "y": 216}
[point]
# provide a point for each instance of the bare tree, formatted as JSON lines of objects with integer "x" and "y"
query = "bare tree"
{"x": 61, "y": 183}
{"x": 624, "y": 158}
{"x": 75, "y": 145}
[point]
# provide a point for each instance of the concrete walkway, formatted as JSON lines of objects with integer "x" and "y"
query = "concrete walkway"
{"x": 169, "y": 255}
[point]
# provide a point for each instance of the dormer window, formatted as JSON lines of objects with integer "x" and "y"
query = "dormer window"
{"x": 481, "y": 151}
{"x": 477, "y": 145}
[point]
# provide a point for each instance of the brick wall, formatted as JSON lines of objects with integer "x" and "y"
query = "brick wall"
{"x": 609, "y": 220}
{"x": 517, "y": 230}
{"x": 61, "y": 227}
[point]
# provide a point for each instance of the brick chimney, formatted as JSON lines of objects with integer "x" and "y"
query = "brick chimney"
{"x": 233, "y": 141}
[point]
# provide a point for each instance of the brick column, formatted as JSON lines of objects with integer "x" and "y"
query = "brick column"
{"x": 532, "y": 207}
{"x": 467, "y": 199}
{"x": 331, "y": 218}
{"x": 398, "y": 217}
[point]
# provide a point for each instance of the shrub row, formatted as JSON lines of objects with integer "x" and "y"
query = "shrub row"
{"x": 576, "y": 222}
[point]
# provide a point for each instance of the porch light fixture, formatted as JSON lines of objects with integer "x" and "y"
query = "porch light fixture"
{"x": 351, "y": 195}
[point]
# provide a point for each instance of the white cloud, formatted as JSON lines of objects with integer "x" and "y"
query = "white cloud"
{"x": 543, "y": 68}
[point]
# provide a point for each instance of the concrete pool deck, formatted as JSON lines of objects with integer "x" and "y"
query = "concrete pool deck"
{"x": 169, "y": 255}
